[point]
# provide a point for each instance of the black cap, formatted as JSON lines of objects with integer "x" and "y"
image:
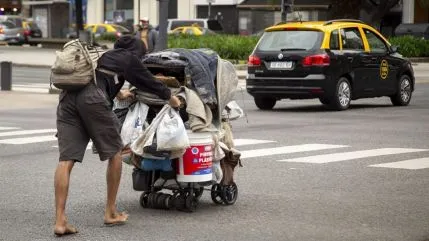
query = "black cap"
{"x": 132, "y": 44}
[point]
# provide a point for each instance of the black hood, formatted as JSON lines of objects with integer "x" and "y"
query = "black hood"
{"x": 132, "y": 44}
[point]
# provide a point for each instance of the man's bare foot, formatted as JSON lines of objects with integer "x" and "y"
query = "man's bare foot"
{"x": 115, "y": 219}
{"x": 65, "y": 230}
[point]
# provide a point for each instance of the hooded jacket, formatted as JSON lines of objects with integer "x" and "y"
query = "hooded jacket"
{"x": 124, "y": 60}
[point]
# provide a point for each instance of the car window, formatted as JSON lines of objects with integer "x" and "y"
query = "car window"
{"x": 120, "y": 28}
{"x": 8, "y": 24}
{"x": 189, "y": 31}
{"x": 334, "y": 42}
{"x": 101, "y": 30}
{"x": 90, "y": 28}
{"x": 351, "y": 39}
{"x": 290, "y": 39}
{"x": 376, "y": 44}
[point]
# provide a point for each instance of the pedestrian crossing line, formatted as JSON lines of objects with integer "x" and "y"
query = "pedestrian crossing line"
{"x": 244, "y": 142}
{"x": 4, "y": 128}
{"x": 27, "y": 132}
{"x": 287, "y": 150}
{"x": 345, "y": 156}
{"x": 412, "y": 164}
{"x": 28, "y": 140}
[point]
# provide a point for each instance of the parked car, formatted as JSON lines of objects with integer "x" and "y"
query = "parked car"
{"x": 101, "y": 29}
{"x": 31, "y": 31}
{"x": 335, "y": 61}
{"x": 11, "y": 34}
{"x": 197, "y": 31}
{"x": 210, "y": 24}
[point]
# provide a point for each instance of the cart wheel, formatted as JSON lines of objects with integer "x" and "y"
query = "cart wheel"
{"x": 144, "y": 199}
{"x": 198, "y": 193}
{"x": 191, "y": 203}
{"x": 229, "y": 194}
{"x": 216, "y": 194}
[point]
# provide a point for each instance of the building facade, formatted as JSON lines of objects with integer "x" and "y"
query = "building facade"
{"x": 130, "y": 11}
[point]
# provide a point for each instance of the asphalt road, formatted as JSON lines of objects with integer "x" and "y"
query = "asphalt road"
{"x": 289, "y": 187}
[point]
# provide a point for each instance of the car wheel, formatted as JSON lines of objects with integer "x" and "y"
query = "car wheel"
{"x": 403, "y": 95}
{"x": 265, "y": 103}
{"x": 343, "y": 95}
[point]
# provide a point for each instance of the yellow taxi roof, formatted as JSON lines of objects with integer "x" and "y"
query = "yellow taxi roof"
{"x": 319, "y": 25}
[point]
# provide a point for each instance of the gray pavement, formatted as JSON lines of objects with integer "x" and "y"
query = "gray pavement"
{"x": 309, "y": 174}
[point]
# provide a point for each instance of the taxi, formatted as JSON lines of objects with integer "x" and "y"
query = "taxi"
{"x": 336, "y": 61}
{"x": 104, "y": 28}
{"x": 192, "y": 30}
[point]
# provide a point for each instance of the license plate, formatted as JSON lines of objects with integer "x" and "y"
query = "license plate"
{"x": 37, "y": 34}
{"x": 281, "y": 65}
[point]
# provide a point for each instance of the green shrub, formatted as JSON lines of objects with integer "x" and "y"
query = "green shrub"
{"x": 410, "y": 46}
{"x": 233, "y": 47}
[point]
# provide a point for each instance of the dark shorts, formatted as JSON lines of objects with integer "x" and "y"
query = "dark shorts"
{"x": 86, "y": 115}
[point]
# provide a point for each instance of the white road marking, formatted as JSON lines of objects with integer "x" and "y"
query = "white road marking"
{"x": 27, "y": 132}
{"x": 344, "y": 156}
{"x": 243, "y": 142}
{"x": 4, "y": 128}
{"x": 412, "y": 164}
{"x": 28, "y": 140}
{"x": 287, "y": 149}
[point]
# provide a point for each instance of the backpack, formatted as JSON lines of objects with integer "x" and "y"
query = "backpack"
{"x": 75, "y": 65}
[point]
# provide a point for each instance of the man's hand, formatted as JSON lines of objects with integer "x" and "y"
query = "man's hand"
{"x": 174, "y": 101}
{"x": 124, "y": 94}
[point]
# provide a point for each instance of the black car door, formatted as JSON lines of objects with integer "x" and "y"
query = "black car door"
{"x": 352, "y": 47}
{"x": 381, "y": 66}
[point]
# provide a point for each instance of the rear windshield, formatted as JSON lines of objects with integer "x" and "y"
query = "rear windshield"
{"x": 291, "y": 39}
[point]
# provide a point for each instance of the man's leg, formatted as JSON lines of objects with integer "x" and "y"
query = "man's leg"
{"x": 61, "y": 182}
{"x": 113, "y": 176}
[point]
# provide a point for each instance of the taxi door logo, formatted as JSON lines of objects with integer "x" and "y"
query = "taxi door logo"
{"x": 384, "y": 69}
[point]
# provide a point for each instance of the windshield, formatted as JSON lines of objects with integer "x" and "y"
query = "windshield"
{"x": 291, "y": 40}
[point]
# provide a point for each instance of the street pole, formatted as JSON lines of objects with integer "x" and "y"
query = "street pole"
{"x": 210, "y": 10}
{"x": 138, "y": 11}
{"x": 163, "y": 21}
{"x": 283, "y": 11}
{"x": 79, "y": 19}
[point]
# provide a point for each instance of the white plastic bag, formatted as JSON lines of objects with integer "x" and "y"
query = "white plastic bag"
{"x": 171, "y": 134}
{"x": 133, "y": 124}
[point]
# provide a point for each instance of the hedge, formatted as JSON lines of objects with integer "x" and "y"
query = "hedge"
{"x": 237, "y": 47}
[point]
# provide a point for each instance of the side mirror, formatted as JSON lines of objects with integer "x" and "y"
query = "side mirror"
{"x": 394, "y": 49}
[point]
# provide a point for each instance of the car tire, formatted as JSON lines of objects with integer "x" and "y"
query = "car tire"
{"x": 265, "y": 103}
{"x": 342, "y": 95}
{"x": 324, "y": 100}
{"x": 404, "y": 93}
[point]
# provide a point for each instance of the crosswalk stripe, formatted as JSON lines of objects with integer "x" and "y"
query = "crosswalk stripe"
{"x": 344, "y": 156}
{"x": 28, "y": 140}
{"x": 287, "y": 149}
{"x": 412, "y": 164}
{"x": 27, "y": 132}
{"x": 244, "y": 142}
{"x": 4, "y": 128}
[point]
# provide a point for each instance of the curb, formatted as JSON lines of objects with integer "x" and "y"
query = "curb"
{"x": 31, "y": 65}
